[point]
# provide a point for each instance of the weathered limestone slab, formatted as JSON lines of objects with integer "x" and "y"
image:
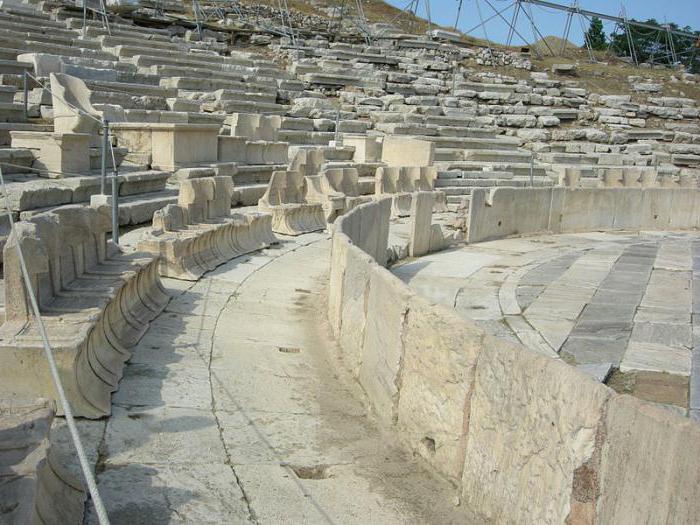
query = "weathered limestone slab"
{"x": 518, "y": 211}
{"x": 407, "y": 151}
{"x": 421, "y": 218}
{"x": 528, "y": 432}
{"x": 337, "y": 189}
{"x": 171, "y": 145}
{"x": 96, "y": 302}
{"x": 382, "y": 348}
{"x": 440, "y": 353}
{"x": 57, "y": 153}
{"x": 199, "y": 233}
{"x": 649, "y": 465}
{"x": 533, "y": 423}
{"x": 285, "y": 199}
{"x": 367, "y": 149}
{"x": 307, "y": 161}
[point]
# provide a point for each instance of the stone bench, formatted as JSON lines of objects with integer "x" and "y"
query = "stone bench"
{"x": 337, "y": 190}
{"x": 199, "y": 233}
{"x": 285, "y": 199}
{"x": 95, "y": 300}
{"x": 400, "y": 183}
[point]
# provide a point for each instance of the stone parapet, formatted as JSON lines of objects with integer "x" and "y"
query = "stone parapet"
{"x": 200, "y": 233}
{"x": 525, "y": 438}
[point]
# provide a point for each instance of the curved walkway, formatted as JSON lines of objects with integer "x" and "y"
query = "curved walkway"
{"x": 622, "y": 307}
{"x": 234, "y": 409}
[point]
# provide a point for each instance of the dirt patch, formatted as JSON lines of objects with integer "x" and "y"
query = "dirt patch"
{"x": 668, "y": 389}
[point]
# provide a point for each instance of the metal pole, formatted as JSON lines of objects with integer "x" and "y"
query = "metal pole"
{"x": 105, "y": 145}
{"x": 84, "y": 18}
{"x": 115, "y": 206}
{"x": 512, "y": 26}
{"x": 102, "y": 516}
{"x": 25, "y": 81}
{"x": 459, "y": 12}
{"x": 513, "y": 22}
{"x": 532, "y": 169}
{"x": 337, "y": 138}
{"x": 115, "y": 193}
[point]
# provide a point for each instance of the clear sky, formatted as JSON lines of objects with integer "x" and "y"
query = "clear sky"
{"x": 550, "y": 22}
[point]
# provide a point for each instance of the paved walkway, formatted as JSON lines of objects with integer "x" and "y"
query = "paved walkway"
{"x": 622, "y": 307}
{"x": 234, "y": 410}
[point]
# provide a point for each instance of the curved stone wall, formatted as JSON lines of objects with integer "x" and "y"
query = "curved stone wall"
{"x": 525, "y": 438}
{"x": 503, "y": 212}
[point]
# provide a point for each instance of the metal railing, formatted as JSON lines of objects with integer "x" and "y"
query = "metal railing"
{"x": 58, "y": 384}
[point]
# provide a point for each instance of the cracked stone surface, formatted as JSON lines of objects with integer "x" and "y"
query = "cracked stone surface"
{"x": 617, "y": 306}
{"x": 235, "y": 409}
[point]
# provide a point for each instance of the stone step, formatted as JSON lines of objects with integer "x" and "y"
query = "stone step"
{"x": 248, "y": 194}
{"x": 10, "y": 112}
{"x": 132, "y": 88}
{"x": 6, "y": 127}
{"x": 197, "y": 84}
{"x": 139, "y": 209}
{"x": 12, "y": 67}
{"x": 573, "y": 159}
{"x": 517, "y": 168}
{"x": 474, "y": 174}
{"x": 483, "y": 87}
{"x": 495, "y": 155}
{"x": 473, "y": 143}
{"x": 243, "y": 106}
{"x": 319, "y": 138}
{"x": 16, "y": 160}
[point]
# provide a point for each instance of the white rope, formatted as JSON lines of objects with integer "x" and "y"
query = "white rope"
{"x": 68, "y": 412}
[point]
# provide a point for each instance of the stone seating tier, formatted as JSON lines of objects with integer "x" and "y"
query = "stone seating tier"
{"x": 337, "y": 190}
{"x": 285, "y": 199}
{"x": 402, "y": 182}
{"x": 200, "y": 233}
{"x": 95, "y": 300}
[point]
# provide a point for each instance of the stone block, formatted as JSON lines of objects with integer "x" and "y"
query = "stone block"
{"x": 406, "y": 151}
{"x": 440, "y": 353}
{"x": 382, "y": 349}
{"x": 57, "y": 153}
{"x": 421, "y": 218}
{"x": 650, "y": 473}
{"x": 171, "y": 145}
{"x": 367, "y": 149}
{"x": 534, "y": 422}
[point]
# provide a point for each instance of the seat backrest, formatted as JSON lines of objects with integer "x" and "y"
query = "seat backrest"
{"x": 386, "y": 180}
{"x": 427, "y": 178}
{"x": 69, "y": 97}
{"x": 194, "y": 198}
{"x": 406, "y": 182}
{"x": 285, "y": 187}
{"x": 245, "y": 125}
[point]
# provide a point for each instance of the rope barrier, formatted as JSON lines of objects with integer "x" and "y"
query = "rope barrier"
{"x": 67, "y": 410}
